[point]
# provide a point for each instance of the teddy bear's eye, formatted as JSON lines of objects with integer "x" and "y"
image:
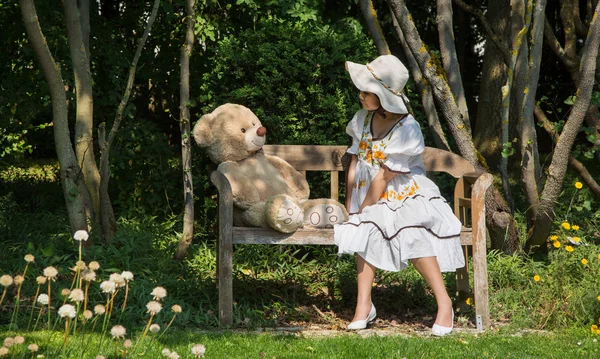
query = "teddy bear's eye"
{"x": 243, "y": 130}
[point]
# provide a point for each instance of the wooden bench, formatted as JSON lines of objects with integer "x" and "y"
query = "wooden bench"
{"x": 469, "y": 207}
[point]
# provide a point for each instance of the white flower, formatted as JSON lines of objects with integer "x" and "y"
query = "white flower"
{"x": 166, "y": 352}
{"x": 127, "y": 343}
{"x": 88, "y": 275}
{"x": 3, "y": 351}
{"x": 8, "y": 342}
{"x": 50, "y": 273}
{"x": 87, "y": 314}
{"x": 198, "y": 350}
{"x": 127, "y": 275}
{"x": 76, "y": 296}
{"x": 108, "y": 287}
{"x": 81, "y": 236}
{"x": 29, "y": 258}
{"x": 19, "y": 340}
{"x": 6, "y": 280}
{"x": 159, "y": 293}
{"x": 67, "y": 310}
{"x": 99, "y": 309}
{"x": 173, "y": 355}
{"x": 65, "y": 292}
{"x": 19, "y": 279}
{"x": 94, "y": 265}
{"x": 153, "y": 307}
{"x": 100, "y": 357}
{"x": 43, "y": 299}
{"x": 176, "y": 308}
{"x": 41, "y": 280}
{"x": 117, "y": 279}
{"x": 118, "y": 331}
{"x": 33, "y": 347}
{"x": 154, "y": 328}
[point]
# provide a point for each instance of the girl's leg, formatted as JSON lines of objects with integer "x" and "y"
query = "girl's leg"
{"x": 366, "y": 275}
{"x": 430, "y": 271}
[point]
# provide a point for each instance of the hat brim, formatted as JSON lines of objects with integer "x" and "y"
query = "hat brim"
{"x": 364, "y": 80}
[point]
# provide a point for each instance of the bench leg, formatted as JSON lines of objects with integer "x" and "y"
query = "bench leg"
{"x": 225, "y": 257}
{"x": 463, "y": 290}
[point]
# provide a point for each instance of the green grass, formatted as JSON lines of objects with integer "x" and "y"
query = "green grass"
{"x": 568, "y": 344}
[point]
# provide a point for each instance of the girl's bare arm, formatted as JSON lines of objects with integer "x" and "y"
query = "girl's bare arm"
{"x": 350, "y": 180}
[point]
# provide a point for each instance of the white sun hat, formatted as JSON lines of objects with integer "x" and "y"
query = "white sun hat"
{"x": 386, "y": 76}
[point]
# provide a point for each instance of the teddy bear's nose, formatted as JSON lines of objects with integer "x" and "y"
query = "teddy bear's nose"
{"x": 261, "y": 131}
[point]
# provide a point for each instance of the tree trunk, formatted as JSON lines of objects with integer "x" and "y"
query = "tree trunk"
{"x": 558, "y": 166}
{"x": 70, "y": 172}
{"x": 186, "y": 150}
{"x": 84, "y": 121}
{"x": 435, "y": 127}
{"x": 501, "y": 225}
{"x": 529, "y": 145}
{"x": 450, "y": 58}
{"x": 370, "y": 16}
{"x": 108, "y": 219}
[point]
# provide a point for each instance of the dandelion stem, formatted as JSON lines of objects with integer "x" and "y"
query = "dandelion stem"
{"x": 49, "y": 292}
{"x": 37, "y": 292}
{"x": 38, "y": 318}
{"x": 126, "y": 293}
{"x": 85, "y": 297}
{"x": 168, "y": 326}
{"x": 3, "y": 294}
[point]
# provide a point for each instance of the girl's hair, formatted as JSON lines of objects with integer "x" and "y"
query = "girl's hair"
{"x": 381, "y": 112}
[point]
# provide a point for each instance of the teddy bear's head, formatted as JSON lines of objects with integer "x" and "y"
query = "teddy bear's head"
{"x": 230, "y": 133}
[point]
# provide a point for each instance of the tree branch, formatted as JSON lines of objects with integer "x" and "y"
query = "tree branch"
{"x": 370, "y": 16}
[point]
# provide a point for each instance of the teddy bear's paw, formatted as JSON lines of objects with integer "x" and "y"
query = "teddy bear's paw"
{"x": 324, "y": 216}
{"x": 289, "y": 216}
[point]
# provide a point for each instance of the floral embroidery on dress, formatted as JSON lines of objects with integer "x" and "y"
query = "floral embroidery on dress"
{"x": 407, "y": 191}
{"x": 370, "y": 151}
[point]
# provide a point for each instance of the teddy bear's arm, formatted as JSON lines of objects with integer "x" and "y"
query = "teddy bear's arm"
{"x": 294, "y": 178}
{"x": 244, "y": 193}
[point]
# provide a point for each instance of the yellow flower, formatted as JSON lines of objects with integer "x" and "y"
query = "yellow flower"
{"x": 566, "y": 225}
{"x": 598, "y": 297}
{"x": 576, "y": 239}
{"x": 556, "y": 244}
{"x": 536, "y": 278}
{"x": 575, "y": 227}
{"x": 584, "y": 261}
{"x": 594, "y": 328}
{"x": 598, "y": 255}
{"x": 554, "y": 238}
{"x": 469, "y": 301}
{"x": 578, "y": 185}
{"x": 569, "y": 248}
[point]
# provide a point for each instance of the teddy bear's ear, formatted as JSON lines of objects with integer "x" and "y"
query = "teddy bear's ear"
{"x": 202, "y": 131}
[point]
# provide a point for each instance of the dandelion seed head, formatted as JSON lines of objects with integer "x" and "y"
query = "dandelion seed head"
{"x": 173, "y": 355}
{"x": 108, "y": 287}
{"x": 67, "y": 310}
{"x": 3, "y": 351}
{"x": 127, "y": 344}
{"x": 50, "y": 273}
{"x": 117, "y": 279}
{"x": 159, "y": 293}
{"x": 19, "y": 340}
{"x": 127, "y": 275}
{"x": 94, "y": 265}
{"x": 87, "y": 314}
{"x": 99, "y": 309}
{"x": 81, "y": 236}
{"x": 176, "y": 308}
{"x": 19, "y": 279}
{"x": 76, "y": 295}
{"x": 41, "y": 280}
{"x": 33, "y": 347}
{"x": 79, "y": 266}
{"x": 153, "y": 307}
{"x": 65, "y": 292}
{"x": 198, "y": 350}
{"x": 8, "y": 342}
{"x": 6, "y": 280}
{"x": 88, "y": 275}
{"x": 165, "y": 352}
{"x": 118, "y": 331}
{"x": 154, "y": 328}
{"x": 43, "y": 299}
{"x": 29, "y": 258}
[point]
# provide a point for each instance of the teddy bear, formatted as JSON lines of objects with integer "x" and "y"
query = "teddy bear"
{"x": 267, "y": 191}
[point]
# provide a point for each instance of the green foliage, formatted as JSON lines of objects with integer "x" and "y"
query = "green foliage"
{"x": 292, "y": 76}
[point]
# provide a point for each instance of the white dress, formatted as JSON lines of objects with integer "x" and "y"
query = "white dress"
{"x": 411, "y": 219}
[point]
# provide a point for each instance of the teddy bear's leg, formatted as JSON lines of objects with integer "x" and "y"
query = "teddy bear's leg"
{"x": 255, "y": 215}
{"x": 284, "y": 214}
{"x": 323, "y": 213}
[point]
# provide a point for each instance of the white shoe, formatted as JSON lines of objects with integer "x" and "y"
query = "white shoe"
{"x": 440, "y": 331}
{"x": 362, "y": 324}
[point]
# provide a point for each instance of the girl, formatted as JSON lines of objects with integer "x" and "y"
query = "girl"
{"x": 397, "y": 214}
